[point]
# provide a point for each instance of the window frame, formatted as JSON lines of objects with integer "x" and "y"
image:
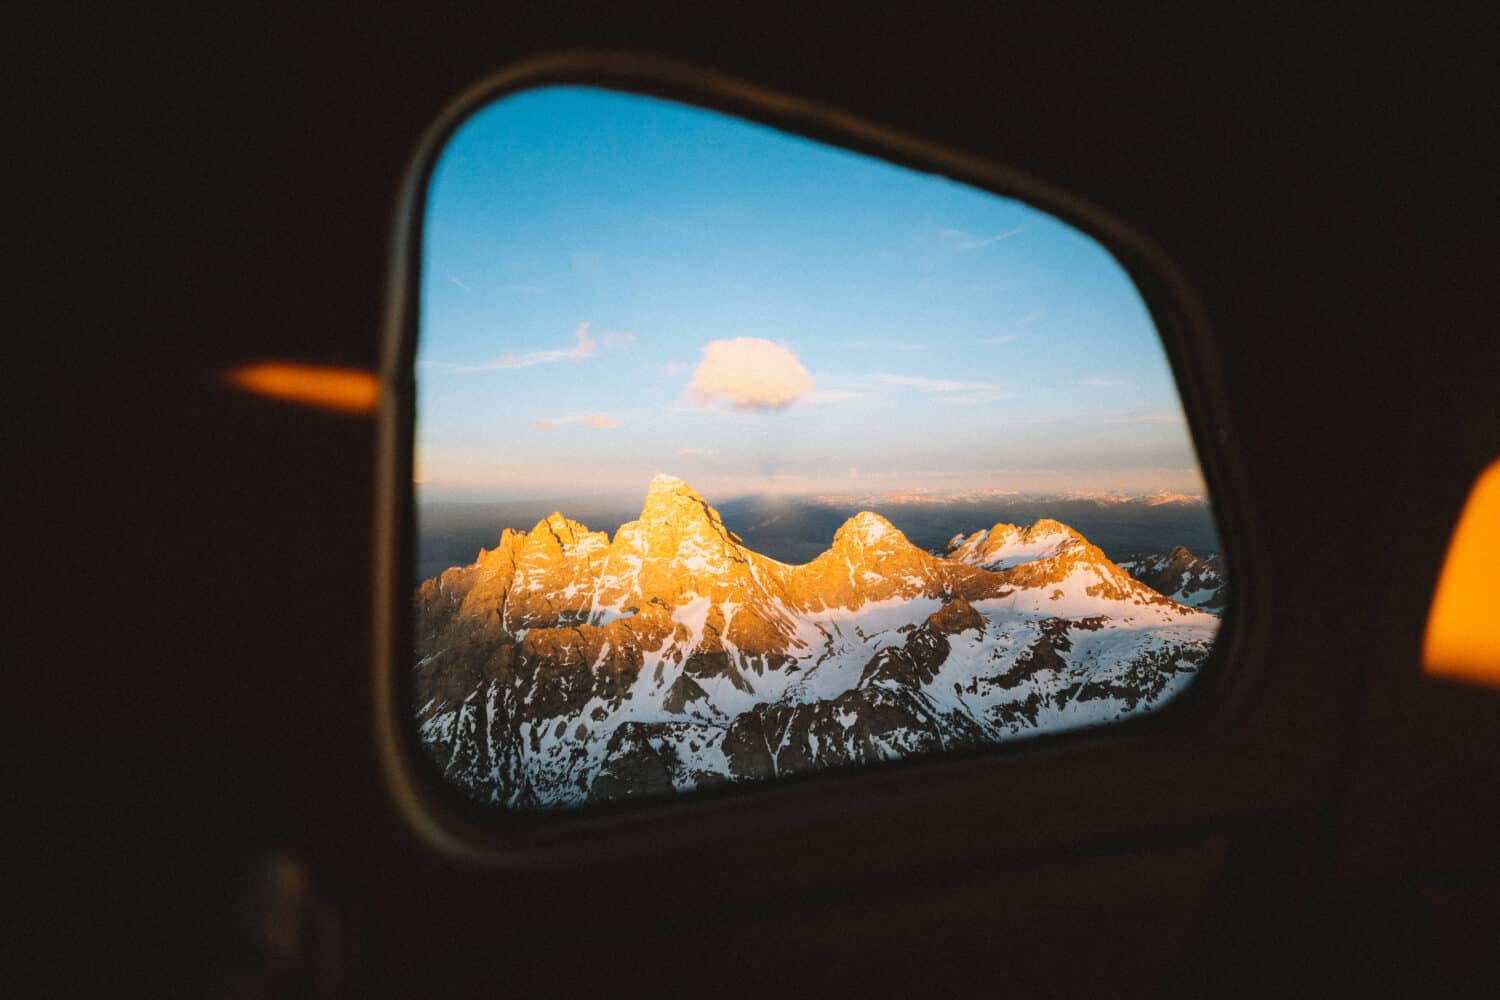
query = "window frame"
{"x": 1190, "y": 724}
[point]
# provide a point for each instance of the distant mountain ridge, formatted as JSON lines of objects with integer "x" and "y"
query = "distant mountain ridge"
{"x": 565, "y": 666}
{"x": 922, "y": 496}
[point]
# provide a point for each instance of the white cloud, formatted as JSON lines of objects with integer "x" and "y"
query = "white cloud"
{"x": 695, "y": 452}
{"x": 1000, "y": 340}
{"x": 1102, "y": 382}
{"x": 749, "y": 373}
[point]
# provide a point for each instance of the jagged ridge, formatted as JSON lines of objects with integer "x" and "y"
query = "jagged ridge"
{"x": 1181, "y": 575}
{"x": 564, "y": 666}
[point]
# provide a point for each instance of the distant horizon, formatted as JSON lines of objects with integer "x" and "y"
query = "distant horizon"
{"x": 615, "y": 285}
{"x": 486, "y": 495}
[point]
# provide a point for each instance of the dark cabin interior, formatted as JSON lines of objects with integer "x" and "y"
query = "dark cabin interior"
{"x": 197, "y": 569}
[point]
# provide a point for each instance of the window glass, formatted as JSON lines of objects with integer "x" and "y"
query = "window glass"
{"x": 739, "y": 457}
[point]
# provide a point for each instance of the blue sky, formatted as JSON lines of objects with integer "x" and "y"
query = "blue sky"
{"x": 888, "y": 329}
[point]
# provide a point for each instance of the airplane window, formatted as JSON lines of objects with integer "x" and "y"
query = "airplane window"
{"x": 740, "y": 457}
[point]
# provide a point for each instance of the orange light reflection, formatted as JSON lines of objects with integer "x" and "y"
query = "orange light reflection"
{"x": 1463, "y": 627}
{"x": 342, "y": 390}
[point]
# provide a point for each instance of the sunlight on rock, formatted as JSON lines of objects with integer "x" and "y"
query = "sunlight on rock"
{"x": 565, "y": 667}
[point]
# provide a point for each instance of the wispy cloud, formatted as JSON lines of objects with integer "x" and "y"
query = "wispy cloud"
{"x": 924, "y": 384}
{"x": 1133, "y": 417}
{"x": 583, "y": 348}
{"x": 1022, "y": 322}
{"x": 1103, "y": 382}
{"x": 695, "y": 452}
{"x": 460, "y": 284}
{"x": 675, "y": 367}
{"x": 951, "y": 390}
{"x": 829, "y": 397}
{"x": 583, "y": 419}
{"x": 958, "y": 239}
{"x": 936, "y": 384}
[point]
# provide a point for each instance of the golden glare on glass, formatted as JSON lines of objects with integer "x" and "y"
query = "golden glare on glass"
{"x": 1463, "y": 627}
{"x": 341, "y": 390}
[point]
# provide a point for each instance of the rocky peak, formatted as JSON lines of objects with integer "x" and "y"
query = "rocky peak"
{"x": 1007, "y": 545}
{"x": 1088, "y": 568}
{"x": 870, "y": 560}
{"x": 867, "y": 530}
{"x": 667, "y": 492}
{"x": 678, "y": 549}
{"x": 1181, "y": 556}
{"x": 672, "y": 502}
{"x": 554, "y": 529}
{"x": 503, "y": 555}
{"x": 1047, "y": 527}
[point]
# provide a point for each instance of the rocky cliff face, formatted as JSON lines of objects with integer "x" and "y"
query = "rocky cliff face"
{"x": 564, "y": 667}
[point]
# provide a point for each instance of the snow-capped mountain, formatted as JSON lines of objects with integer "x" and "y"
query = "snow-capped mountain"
{"x": 564, "y": 666}
{"x": 1163, "y": 498}
{"x": 1182, "y": 576}
{"x": 1006, "y": 545}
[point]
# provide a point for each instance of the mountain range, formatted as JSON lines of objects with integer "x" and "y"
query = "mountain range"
{"x": 796, "y": 528}
{"x": 564, "y": 666}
